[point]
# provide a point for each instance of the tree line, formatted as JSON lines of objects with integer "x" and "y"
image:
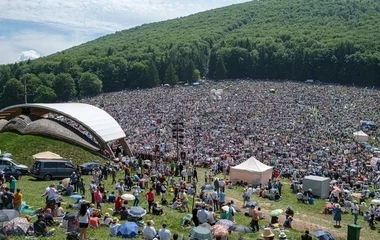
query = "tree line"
{"x": 332, "y": 41}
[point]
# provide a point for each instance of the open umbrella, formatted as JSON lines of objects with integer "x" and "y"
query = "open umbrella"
{"x": 201, "y": 233}
{"x": 240, "y": 228}
{"x": 142, "y": 180}
{"x": 65, "y": 181}
{"x": 219, "y": 231}
{"x": 207, "y": 187}
{"x": 225, "y": 222}
{"x": 226, "y": 208}
{"x": 205, "y": 225}
{"x": 252, "y": 203}
{"x": 128, "y": 197}
{"x": 276, "y": 213}
{"x": 76, "y": 196}
{"x": 137, "y": 211}
{"x": 186, "y": 217}
{"x": 128, "y": 230}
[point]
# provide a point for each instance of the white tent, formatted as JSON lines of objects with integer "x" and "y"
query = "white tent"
{"x": 360, "y": 136}
{"x": 46, "y": 155}
{"x": 252, "y": 171}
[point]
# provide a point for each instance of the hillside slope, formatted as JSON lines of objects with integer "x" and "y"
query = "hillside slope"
{"x": 333, "y": 41}
{"x": 23, "y": 147}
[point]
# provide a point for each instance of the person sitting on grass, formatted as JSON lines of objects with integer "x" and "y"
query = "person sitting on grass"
{"x": 40, "y": 227}
{"x": 94, "y": 222}
{"x": 114, "y": 227}
{"x": 106, "y": 220}
{"x": 288, "y": 222}
{"x": 111, "y": 197}
{"x": 149, "y": 232}
{"x": 157, "y": 210}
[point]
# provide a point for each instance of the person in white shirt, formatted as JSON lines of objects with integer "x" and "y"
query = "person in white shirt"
{"x": 149, "y": 232}
{"x": 202, "y": 215}
{"x": 163, "y": 233}
{"x": 114, "y": 226}
{"x": 355, "y": 211}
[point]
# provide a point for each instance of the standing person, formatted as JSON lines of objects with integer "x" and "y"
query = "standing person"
{"x": 355, "y": 211}
{"x": 93, "y": 189}
{"x": 113, "y": 174}
{"x": 195, "y": 174}
{"x": 12, "y": 184}
{"x": 255, "y": 220}
{"x": 372, "y": 211}
{"x": 82, "y": 187}
{"x": 337, "y": 215}
{"x": 150, "y": 197}
{"x": 83, "y": 219}
{"x": 17, "y": 200}
{"x": 136, "y": 192}
{"x": 185, "y": 200}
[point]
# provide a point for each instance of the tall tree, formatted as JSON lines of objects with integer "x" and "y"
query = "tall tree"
{"x": 89, "y": 85}
{"x": 153, "y": 77}
{"x": 64, "y": 86}
{"x": 220, "y": 70}
{"x": 45, "y": 94}
{"x": 12, "y": 93}
{"x": 171, "y": 77}
{"x": 32, "y": 81}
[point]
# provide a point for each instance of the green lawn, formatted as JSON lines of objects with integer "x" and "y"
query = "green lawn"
{"x": 32, "y": 191}
{"x": 24, "y": 146}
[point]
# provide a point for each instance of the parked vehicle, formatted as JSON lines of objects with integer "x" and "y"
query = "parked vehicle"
{"x": 89, "y": 167}
{"x": 9, "y": 162}
{"x": 52, "y": 169}
{"x": 11, "y": 171}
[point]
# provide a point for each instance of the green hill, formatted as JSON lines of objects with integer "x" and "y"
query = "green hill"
{"x": 23, "y": 147}
{"x": 333, "y": 41}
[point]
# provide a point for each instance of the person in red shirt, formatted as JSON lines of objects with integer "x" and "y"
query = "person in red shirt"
{"x": 150, "y": 197}
{"x": 118, "y": 204}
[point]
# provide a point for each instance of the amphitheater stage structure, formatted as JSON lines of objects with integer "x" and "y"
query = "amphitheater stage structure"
{"x": 81, "y": 124}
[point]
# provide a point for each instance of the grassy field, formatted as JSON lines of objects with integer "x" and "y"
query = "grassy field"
{"x": 24, "y": 146}
{"x": 32, "y": 191}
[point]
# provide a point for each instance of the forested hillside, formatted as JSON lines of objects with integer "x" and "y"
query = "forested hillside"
{"x": 333, "y": 41}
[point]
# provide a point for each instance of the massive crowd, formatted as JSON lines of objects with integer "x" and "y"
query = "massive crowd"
{"x": 287, "y": 124}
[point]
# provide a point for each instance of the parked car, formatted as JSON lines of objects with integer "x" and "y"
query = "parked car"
{"x": 89, "y": 167}
{"x": 52, "y": 169}
{"x": 11, "y": 171}
{"x": 9, "y": 162}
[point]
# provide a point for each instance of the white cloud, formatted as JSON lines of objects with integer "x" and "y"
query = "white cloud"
{"x": 41, "y": 42}
{"x": 30, "y": 54}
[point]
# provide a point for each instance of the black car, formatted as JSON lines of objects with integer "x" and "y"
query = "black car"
{"x": 89, "y": 167}
{"x": 11, "y": 171}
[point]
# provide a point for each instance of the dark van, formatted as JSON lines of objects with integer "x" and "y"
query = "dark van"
{"x": 50, "y": 169}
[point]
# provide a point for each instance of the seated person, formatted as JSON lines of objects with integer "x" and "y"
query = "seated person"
{"x": 157, "y": 210}
{"x": 190, "y": 191}
{"x": 136, "y": 178}
{"x": 123, "y": 213}
{"x": 224, "y": 214}
{"x": 250, "y": 212}
{"x": 111, "y": 197}
{"x": 69, "y": 190}
{"x": 288, "y": 222}
{"x": 149, "y": 232}
{"x": 48, "y": 217}
{"x": 277, "y": 196}
{"x": 273, "y": 220}
{"x": 60, "y": 187}
{"x": 289, "y": 212}
{"x": 94, "y": 222}
{"x": 187, "y": 224}
{"x": 58, "y": 210}
{"x": 117, "y": 204}
{"x": 40, "y": 228}
{"x": 106, "y": 219}
{"x": 114, "y": 227}
{"x": 299, "y": 197}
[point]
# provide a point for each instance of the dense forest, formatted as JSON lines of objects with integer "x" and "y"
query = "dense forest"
{"x": 332, "y": 41}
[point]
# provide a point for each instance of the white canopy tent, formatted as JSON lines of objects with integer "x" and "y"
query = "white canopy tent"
{"x": 360, "y": 136}
{"x": 46, "y": 155}
{"x": 252, "y": 171}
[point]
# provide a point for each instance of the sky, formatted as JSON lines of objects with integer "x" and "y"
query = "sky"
{"x": 34, "y": 28}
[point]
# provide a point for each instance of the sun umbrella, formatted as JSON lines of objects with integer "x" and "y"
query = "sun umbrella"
{"x": 240, "y": 228}
{"x": 205, "y": 225}
{"x": 276, "y": 213}
{"x": 226, "y": 208}
{"x": 252, "y": 203}
{"x": 207, "y": 187}
{"x": 76, "y": 196}
{"x": 8, "y": 214}
{"x": 186, "y": 217}
{"x": 225, "y": 222}
{"x": 142, "y": 180}
{"x": 376, "y": 201}
{"x": 137, "y": 211}
{"x": 219, "y": 231}
{"x": 201, "y": 233}
{"x": 65, "y": 181}
{"x": 128, "y": 197}
{"x": 128, "y": 230}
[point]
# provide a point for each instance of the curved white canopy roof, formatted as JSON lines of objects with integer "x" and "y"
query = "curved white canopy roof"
{"x": 93, "y": 118}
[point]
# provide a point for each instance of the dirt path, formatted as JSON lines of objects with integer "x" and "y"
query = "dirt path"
{"x": 301, "y": 222}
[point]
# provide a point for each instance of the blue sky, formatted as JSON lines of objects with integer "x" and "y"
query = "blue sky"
{"x": 33, "y": 28}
